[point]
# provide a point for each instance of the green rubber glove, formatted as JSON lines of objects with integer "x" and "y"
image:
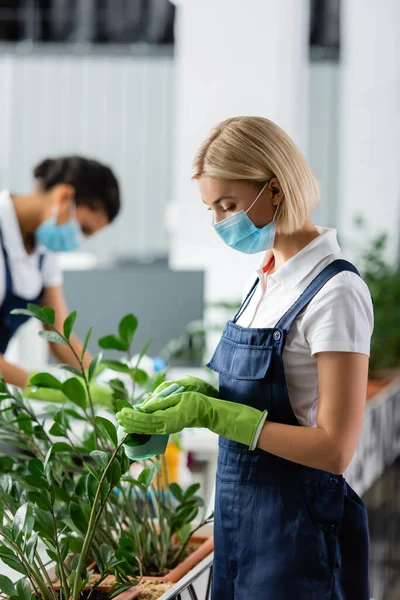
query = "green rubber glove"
{"x": 233, "y": 421}
{"x": 191, "y": 384}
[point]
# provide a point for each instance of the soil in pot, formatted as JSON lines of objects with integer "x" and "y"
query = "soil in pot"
{"x": 151, "y": 590}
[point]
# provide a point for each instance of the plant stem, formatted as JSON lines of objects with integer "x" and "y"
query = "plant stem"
{"x": 65, "y": 586}
{"x": 92, "y": 525}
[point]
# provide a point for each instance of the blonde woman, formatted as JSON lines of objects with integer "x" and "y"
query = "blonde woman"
{"x": 293, "y": 367}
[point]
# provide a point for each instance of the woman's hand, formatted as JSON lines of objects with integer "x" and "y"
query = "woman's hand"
{"x": 233, "y": 421}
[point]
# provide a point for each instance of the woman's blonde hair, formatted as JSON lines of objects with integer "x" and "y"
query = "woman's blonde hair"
{"x": 255, "y": 149}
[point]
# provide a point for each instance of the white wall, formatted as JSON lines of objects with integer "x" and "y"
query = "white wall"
{"x": 115, "y": 108}
{"x": 369, "y": 119}
{"x": 256, "y": 65}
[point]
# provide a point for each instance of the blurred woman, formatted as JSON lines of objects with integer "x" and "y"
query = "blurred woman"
{"x": 74, "y": 198}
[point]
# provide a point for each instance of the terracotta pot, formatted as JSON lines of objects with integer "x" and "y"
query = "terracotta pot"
{"x": 376, "y": 385}
{"x": 205, "y": 548}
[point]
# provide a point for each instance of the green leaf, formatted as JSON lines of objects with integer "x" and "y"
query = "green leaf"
{"x": 11, "y": 560}
{"x": 96, "y": 474}
{"x": 1, "y": 512}
{"x": 114, "y": 473}
{"x": 184, "y": 533}
{"x": 116, "y": 365}
{"x": 102, "y": 458}
{"x": 44, "y": 524}
{"x": 25, "y": 423}
{"x": 41, "y": 500}
{"x": 107, "y": 429}
{"x": 36, "y": 467}
{"x": 36, "y": 482}
{"x": 191, "y": 491}
{"x": 75, "y": 391}
{"x": 45, "y": 380}
{"x": 69, "y": 324}
{"x": 57, "y": 430}
{"x": 127, "y": 328}
{"x": 75, "y": 415}
{"x": 31, "y": 546}
{"x": 53, "y": 337}
{"x": 107, "y": 554}
{"x": 112, "y": 342}
{"x": 140, "y": 376}
{"x": 120, "y": 404}
{"x": 60, "y": 447}
{"x": 19, "y": 522}
{"x": 23, "y": 589}
{"x": 146, "y": 477}
{"x": 176, "y": 491}
{"x": 46, "y": 315}
{"x": 78, "y": 517}
{"x": 94, "y": 365}
{"x": 86, "y": 342}
{"x": 6, "y": 586}
{"x": 70, "y": 369}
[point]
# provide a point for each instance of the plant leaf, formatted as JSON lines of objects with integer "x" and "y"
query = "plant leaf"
{"x": 96, "y": 474}
{"x": 78, "y": 517}
{"x": 53, "y": 337}
{"x": 36, "y": 467}
{"x": 102, "y": 458}
{"x": 114, "y": 473}
{"x": 176, "y": 491}
{"x": 57, "y": 430}
{"x": 94, "y": 365}
{"x": 191, "y": 491}
{"x": 59, "y": 447}
{"x": 86, "y": 342}
{"x": 107, "y": 429}
{"x": 116, "y": 365}
{"x": 140, "y": 376}
{"x": 36, "y": 482}
{"x": 127, "y": 328}
{"x": 23, "y": 589}
{"x": 31, "y": 546}
{"x": 75, "y": 391}
{"x": 45, "y": 380}
{"x": 11, "y": 560}
{"x": 46, "y": 314}
{"x": 6, "y": 586}
{"x": 70, "y": 369}
{"x": 146, "y": 477}
{"x": 69, "y": 324}
{"x": 44, "y": 524}
{"x": 20, "y": 520}
{"x": 41, "y": 500}
{"x": 25, "y": 423}
{"x": 120, "y": 404}
{"x": 112, "y": 342}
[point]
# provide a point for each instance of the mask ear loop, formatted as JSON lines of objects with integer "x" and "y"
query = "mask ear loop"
{"x": 262, "y": 189}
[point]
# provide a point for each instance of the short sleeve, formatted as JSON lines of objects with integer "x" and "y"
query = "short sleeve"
{"x": 340, "y": 318}
{"x": 52, "y": 274}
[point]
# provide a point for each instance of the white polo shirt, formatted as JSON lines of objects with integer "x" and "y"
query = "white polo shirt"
{"x": 27, "y": 278}
{"x": 339, "y": 318}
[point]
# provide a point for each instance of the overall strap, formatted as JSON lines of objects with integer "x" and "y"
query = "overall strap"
{"x": 312, "y": 289}
{"x": 246, "y": 301}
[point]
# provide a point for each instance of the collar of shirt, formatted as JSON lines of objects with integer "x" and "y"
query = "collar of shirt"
{"x": 292, "y": 273}
{"x": 10, "y": 230}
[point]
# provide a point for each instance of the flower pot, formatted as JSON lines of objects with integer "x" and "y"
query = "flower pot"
{"x": 205, "y": 548}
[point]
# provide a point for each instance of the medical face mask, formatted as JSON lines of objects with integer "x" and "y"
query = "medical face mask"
{"x": 59, "y": 238}
{"x": 240, "y": 233}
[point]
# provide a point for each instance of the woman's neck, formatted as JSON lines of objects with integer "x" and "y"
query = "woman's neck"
{"x": 287, "y": 246}
{"x": 28, "y": 210}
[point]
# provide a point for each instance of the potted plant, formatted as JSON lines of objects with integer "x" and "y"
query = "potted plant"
{"x": 383, "y": 281}
{"x": 134, "y": 525}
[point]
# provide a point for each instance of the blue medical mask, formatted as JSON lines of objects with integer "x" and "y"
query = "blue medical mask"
{"x": 240, "y": 233}
{"x": 59, "y": 238}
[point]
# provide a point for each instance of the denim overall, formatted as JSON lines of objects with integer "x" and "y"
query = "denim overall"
{"x": 10, "y": 323}
{"x": 283, "y": 531}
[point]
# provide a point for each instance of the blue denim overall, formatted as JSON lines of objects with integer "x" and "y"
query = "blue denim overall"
{"x": 283, "y": 531}
{"x": 10, "y": 323}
